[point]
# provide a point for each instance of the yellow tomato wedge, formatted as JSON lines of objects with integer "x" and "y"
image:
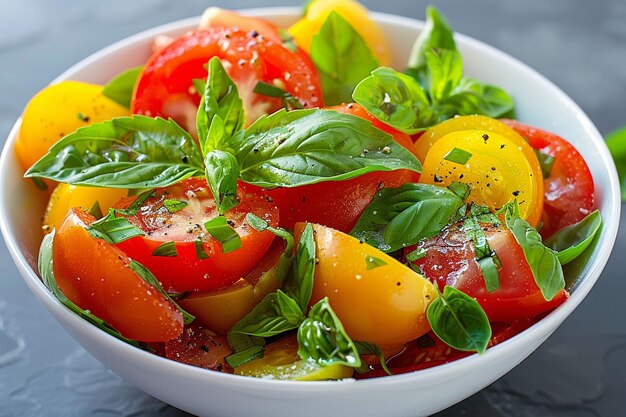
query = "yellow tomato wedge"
{"x": 65, "y": 196}
{"x": 495, "y": 167}
{"x": 58, "y": 110}
{"x": 220, "y": 310}
{"x": 474, "y": 122}
{"x": 354, "y": 13}
{"x": 377, "y": 299}
{"x": 281, "y": 361}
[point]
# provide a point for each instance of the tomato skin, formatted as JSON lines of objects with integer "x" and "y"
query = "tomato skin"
{"x": 185, "y": 272}
{"x": 339, "y": 204}
{"x": 198, "y": 346}
{"x": 569, "y": 191}
{"x": 385, "y": 305}
{"x": 218, "y": 17}
{"x": 95, "y": 276}
{"x": 165, "y": 87}
{"x": 450, "y": 260}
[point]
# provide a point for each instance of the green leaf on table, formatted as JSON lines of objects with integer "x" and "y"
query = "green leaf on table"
{"x": 220, "y": 104}
{"x": 543, "y": 261}
{"x": 571, "y": 241}
{"x": 459, "y": 321}
{"x": 342, "y": 59}
{"x": 222, "y": 173}
{"x": 396, "y": 99}
{"x": 299, "y": 283}
{"x": 47, "y": 276}
{"x": 399, "y": 217}
{"x": 288, "y": 149}
{"x": 322, "y": 338}
{"x": 120, "y": 88}
{"x": 616, "y": 141}
{"x": 124, "y": 152}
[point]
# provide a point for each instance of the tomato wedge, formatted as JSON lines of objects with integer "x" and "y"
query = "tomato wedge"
{"x": 165, "y": 87}
{"x": 96, "y": 276}
{"x": 200, "y": 347}
{"x": 569, "y": 190}
{"x": 185, "y": 271}
{"x": 450, "y": 260}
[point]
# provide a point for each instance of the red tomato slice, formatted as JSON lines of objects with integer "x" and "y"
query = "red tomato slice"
{"x": 198, "y": 346}
{"x": 569, "y": 191}
{"x": 339, "y": 204}
{"x": 185, "y": 272}
{"x": 217, "y": 17}
{"x": 450, "y": 260}
{"x": 95, "y": 276}
{"x": 165, "y": 87}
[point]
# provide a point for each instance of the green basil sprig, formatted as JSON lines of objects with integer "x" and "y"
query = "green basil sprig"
{"x": 543, "y": 261}
{"x": 47, "y": 276}
{"x": 616, "y": 141}
{"x": 342, "y": 59}
{"x": 322, "y": 338}
{"x": 120, "y": 88}
{"x": 459, "y": 321}
{"x": 433, "y": 88}
{"x": 124, "y": 152}
{"x": 571, "y": 241}
{"x": 399, "y": 217}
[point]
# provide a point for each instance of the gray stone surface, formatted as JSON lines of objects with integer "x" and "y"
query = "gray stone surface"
{"x": 580, "y": 45}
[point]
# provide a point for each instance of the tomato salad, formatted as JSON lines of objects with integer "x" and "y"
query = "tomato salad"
{"x": 280, "y": 203}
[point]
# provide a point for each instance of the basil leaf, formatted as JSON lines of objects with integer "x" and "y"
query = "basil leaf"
{"x": 399, "y": 217}
{"x": 113, "y": 229}
{"x": 546, "y": 162}
{"x": 543, "y": 261}
{"x": 95, "y": 210}
{"x": 472, "y": 97}
{"x": 287, "y": 40}
{"x": 275, "y": 314}
{"x": 200, "y": 253}
{"x": 46, "y": 272}
{"x": 222, "y": 173}
{"x": 372, "y": 262}
{"x": 299, "y": 283}
{"x": 288, "y": 149}
{"x": 124, "y": 152}
{"x": 416, "y": 255}
{"x": 223, "y": 233}
{"x": 484, "y": 254}
{"x": 288, "y": 101}
{"x": 136, "y": 204}
{"x": 261, "y": 225}
{"x": 437, "y": 34}
{"x": 396, "y": 99}
{"x": 167, "y": 249}
{"x": 616, "y": 141}
{"x": 571, "y": 241}
{"x": 366, "y": 348}
{"x": 445, "y": 71}
{"x": 461, "y": 189}
{"x": 246, "y": 355}
{"x": 174, "y": 205}
{"x": 459, "y": 321}
{"x": 322, "y": 338}
{"x": 458, "y": 156}
{"x": 342, "y": 59}
{"x": 220, "y": 100}
{"x": 120, "y": 88}
{"x": 145, "y": 274}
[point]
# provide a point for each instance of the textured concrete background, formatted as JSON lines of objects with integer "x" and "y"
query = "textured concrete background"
{"x": 580, "y": 45}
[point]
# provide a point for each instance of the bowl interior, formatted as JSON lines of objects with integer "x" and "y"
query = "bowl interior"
{"x": 538, "y": 101}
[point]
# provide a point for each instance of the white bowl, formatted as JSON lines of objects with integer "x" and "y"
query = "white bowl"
{"x": 202, "y": 392}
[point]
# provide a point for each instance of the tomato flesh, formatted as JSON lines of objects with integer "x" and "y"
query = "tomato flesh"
{"x": 569, "y": 190}
{"x": 165, "y": 87}
{"x": 185, "y": 271}
{"x": 198, "y": 346}
{"x": 96, "y": 276}
{"x": 450, "y": 260}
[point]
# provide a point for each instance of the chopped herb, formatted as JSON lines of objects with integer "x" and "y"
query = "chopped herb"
{"x": 40, "y": 184}
{"x": 458, "y": 156}
{"x": 287, "y": 40}
{"x": 167, "y": 249}
{"x": 223, "y": 233}
{"x": 174, "y": 205}
{"x": 416, "y": 254}
{"x": 261, "y": 225}
{"x": 372, "y": 262}
{"x": 137, "y": 203}
{"x": 95, "y": 210}
{"x": 245, "y": 356}
{"x": 483, "y": 251}
{"x": 289, "y": 102}
{"x": 460, "y": 189}
{"x": 83, "y": 117}
{"x": 200, "y": 253}
{"x": 546, "y": 162}
{"x": 113, "y": 229}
